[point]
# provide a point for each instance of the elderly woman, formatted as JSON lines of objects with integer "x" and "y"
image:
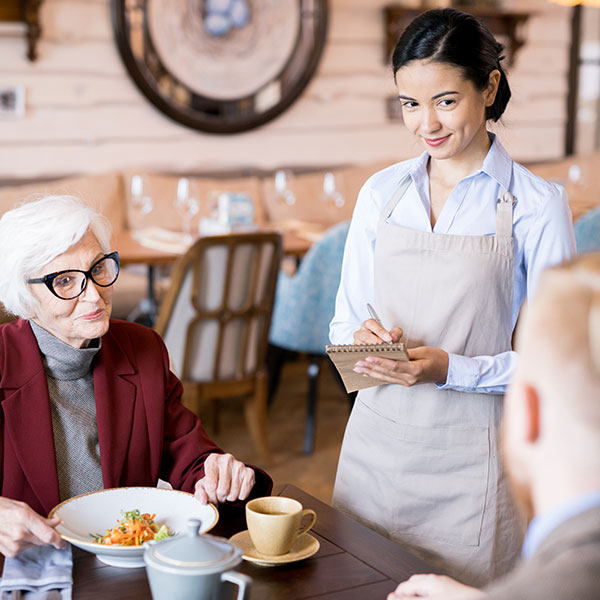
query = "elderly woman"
{"x": 87, "y": 402}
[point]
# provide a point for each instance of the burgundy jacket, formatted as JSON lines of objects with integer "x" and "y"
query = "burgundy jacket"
{"x": 144, "y": 430}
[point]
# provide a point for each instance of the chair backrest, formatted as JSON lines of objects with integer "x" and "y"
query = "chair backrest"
{"x": 4, "y": 316}
{"x": 587, "y": 231}
{"x": 305, "y": 302}
{"x": 216, "y": 315}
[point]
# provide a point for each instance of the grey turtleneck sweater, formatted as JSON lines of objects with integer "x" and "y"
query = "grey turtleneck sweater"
{"x": 73, "y": 407}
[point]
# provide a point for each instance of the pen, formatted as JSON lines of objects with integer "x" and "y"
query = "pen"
{"x": 373, "y": 313}
{"x": 374, "y": 316}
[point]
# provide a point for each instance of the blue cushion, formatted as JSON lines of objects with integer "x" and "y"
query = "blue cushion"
{"x": 587, "y": 231}
{"x": 305, "y": 302}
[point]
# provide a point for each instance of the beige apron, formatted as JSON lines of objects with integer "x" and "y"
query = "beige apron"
{"x": 420, "y": 464}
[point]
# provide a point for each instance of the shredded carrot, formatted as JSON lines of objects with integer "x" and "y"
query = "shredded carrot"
{"x": 133, "y": 529}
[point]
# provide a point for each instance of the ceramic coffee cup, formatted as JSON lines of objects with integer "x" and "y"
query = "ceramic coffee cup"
{"x": 274, "y": 523}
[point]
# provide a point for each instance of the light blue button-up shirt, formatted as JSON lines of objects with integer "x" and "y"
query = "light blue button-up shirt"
{"x": 541, "y": 526}
{"x": 542, "y": 236}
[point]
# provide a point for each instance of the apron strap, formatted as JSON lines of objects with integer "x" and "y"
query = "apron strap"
{"x": 504, "y": 214}
{"x": 393, "y": 201}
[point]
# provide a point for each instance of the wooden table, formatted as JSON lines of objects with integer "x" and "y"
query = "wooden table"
{"x": 583, "y": 185}
{"x": 131, "y": 252}
{"x": 353, "y": 563}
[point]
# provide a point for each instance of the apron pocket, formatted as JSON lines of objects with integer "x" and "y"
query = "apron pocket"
{"x": 441, "y": 482}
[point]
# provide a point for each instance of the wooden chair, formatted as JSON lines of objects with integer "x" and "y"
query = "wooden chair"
{"x": 215, "y": 320}
{"x": 4, "y": 316}
{"x": 304, "y": 307}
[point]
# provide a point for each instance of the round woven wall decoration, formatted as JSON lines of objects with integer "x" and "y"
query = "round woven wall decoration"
{"x": 221, "y": 66}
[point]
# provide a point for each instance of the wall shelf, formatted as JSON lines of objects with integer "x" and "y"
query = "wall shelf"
{"x": 506, "y": 25}
{"x": 27, "y": 12}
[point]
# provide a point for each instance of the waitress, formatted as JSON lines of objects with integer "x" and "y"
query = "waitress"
{"x": 446, "y": 247}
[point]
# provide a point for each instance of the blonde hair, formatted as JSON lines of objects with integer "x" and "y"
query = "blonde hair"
{"x": 36, "y": 232}
{"x": 562, "y": 336}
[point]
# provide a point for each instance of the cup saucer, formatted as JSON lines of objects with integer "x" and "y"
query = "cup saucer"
{"x": 304, "y": 546}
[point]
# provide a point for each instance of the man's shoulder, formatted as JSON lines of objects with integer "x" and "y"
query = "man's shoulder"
{"x": 566, "y": 566}
{"x": 575, "y": 574}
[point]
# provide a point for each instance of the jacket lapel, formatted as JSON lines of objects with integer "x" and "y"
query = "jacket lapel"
{"x": 26, "y": 408}
{"x": 115, "y": 392}
{"x": 571, "y": 533}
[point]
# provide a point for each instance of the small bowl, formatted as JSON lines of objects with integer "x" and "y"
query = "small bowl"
{"x": 96, "y": 512}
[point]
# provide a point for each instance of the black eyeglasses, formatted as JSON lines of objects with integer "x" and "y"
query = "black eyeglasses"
{"x": 67, "y": 285}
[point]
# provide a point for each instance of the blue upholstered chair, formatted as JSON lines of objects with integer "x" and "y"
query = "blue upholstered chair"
{"x": 304, "y": 306}
{"x": 587, "y": 231}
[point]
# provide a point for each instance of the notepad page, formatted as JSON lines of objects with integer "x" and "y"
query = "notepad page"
{"x": 345, "y": 356}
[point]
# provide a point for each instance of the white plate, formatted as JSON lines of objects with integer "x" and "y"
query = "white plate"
{"x": 96, "y": 512}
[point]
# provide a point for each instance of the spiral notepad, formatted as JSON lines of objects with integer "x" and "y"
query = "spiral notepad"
{"x": 344, "y": 358}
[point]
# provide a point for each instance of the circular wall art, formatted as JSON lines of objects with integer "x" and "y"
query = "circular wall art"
{"x": 221, "y": 66}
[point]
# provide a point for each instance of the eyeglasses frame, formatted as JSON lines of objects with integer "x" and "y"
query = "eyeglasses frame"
{"x": 48, "y": 279}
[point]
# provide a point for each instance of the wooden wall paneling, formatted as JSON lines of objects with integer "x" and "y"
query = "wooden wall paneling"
{"x": 74, "y": 20}
{"x": 351, "y": 58}
{"x": 83, "y": 56}
{"x": 355, "y": 25}
{"x": 85, "y": 115}
{"x": 336, "y": 147}
{"x": 548, "y": 27}
{"x": 537, "y": 84}
{"x": 548, "y": 108}
{"x": 588, "y": 109}
{"x": 69, "y": 90}
{"x": 540, "y": 58}
{"x": 533, "y": 143}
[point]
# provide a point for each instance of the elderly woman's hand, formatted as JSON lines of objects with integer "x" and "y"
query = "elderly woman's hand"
{"x": 434, "y": 587}
{"x": 21, "y": 527}
{"x": 225, "y": 479}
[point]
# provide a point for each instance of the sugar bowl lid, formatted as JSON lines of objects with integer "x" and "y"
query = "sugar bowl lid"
{"x": 194, "y": 552}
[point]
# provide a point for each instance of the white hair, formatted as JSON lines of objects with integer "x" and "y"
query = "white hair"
{"x": 36, "y": 232}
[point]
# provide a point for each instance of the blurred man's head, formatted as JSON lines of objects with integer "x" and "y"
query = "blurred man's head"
{"x": 551, "y": 437}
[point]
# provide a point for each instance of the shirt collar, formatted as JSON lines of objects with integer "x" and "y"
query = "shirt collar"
{"x": 497, "y": 165}
{"x": 542, "y": 525}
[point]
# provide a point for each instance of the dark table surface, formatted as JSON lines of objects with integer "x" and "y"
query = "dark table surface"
{"x": 353, "y": 563}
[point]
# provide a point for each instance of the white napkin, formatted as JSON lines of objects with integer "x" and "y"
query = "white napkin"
{"x": 40, "y": 572}
{"x": 158, "y": 238}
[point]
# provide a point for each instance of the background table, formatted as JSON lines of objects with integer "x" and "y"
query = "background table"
{"x": 583, "y": 191}
{"x": 131, "y": 252}
{"x": 353, "y": 563}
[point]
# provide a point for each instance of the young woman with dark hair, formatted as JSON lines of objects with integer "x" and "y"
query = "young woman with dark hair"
{"x": 447, "y": 247}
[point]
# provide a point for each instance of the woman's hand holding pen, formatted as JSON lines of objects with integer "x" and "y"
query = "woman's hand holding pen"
{"x": 426, "y": 365}
{"x": 373, "y": 332}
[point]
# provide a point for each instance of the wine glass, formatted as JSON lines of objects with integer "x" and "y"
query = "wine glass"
{"x": 575, "y": 174}
{"x": 331, "y": 194}
{"x": 140, "y": 201}
{"x": 187, "y": 205}
{"x": 283, "y": 187}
